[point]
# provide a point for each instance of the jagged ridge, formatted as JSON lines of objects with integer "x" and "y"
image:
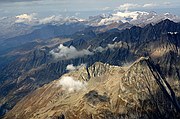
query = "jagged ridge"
{"x": 137, "y": 91}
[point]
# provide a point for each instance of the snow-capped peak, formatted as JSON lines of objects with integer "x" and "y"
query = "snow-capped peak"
{"x": 25, "y": 23}
{"x": 123, "y": 17}
{"x": 31, "y": 19}
{"x": 133, "y": 15}
{"x": 137, "y": 18}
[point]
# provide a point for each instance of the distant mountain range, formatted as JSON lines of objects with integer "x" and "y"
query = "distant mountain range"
{"x": 26, "y": 28}
{"x": 27, "y": 23}
{"x": 137, "y": 18}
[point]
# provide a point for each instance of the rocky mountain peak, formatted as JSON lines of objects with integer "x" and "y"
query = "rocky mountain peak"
{"x": 138, "y": 90}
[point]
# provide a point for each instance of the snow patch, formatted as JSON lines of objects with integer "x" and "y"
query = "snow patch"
{"x": 172, "y": 33}
{"x": 114, "y": 39}
{"x": 123, "y": 17}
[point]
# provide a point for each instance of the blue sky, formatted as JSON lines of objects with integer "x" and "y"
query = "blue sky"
{"x": 84, "y": 8}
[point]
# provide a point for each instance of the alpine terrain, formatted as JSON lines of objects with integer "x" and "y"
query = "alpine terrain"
{"x": 120, "y": 65}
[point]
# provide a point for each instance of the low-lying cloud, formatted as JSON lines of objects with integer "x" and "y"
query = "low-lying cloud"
{"x": 71, "y": 85}
{"x": 64, "y": 52}
{"x": 111, "y": 46}
{"x": 71, "y": 67}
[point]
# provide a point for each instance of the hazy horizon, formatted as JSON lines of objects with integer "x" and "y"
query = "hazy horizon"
{"x": 84, "y": 8}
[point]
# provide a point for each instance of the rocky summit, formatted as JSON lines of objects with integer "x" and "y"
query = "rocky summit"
{"x": 135, "y": 91}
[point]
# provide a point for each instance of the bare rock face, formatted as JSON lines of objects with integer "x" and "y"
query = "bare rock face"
{"x": 144, "y": 93}
{"x": 109, "y": 92}
{"x": 94, "y": 98}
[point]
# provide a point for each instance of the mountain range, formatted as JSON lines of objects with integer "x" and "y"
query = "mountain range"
{"x": 122, "y": 65}
{"x": 27, "y": 23}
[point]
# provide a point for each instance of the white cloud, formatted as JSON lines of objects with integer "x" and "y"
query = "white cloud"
{"x": 71, "y": 85}
{"x": 64, "y": 52}
{"x": 77, "y": 13}
{"x": 115, "y": 45}
{"x": 99, "y": 49}
{"x": 126, "y": 6}
{"x": 111, "y": 46}
{"x": 167, "y": 3}
{"x": 149, "y": 5}
{"x": 49, "y": 19}
{"x": 25, "y": 18}
{"x": 71, "y": 67}
{"x": 105, "y": 8}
